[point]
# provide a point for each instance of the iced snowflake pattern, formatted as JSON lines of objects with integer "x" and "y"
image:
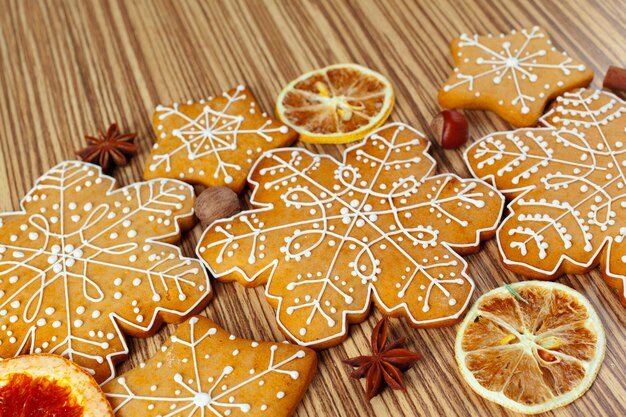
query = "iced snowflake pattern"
{"x": 329, "y": 238}
{"x": 204, "y": 371}
{"x": 213, "y": 142}
{"x": 513, "y": 71}
{"x": 568, "y": 181}
{"x": 82, "y": 257}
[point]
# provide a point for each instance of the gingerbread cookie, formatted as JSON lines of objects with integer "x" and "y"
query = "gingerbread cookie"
{"x": 568, "y": 184}
{"x": 213, "y": 142}
{"x": 83, "y": 262}
{"x": 513, "y": 75}
{"x": 202, "y": 370}
{"x": 329, "y": 238}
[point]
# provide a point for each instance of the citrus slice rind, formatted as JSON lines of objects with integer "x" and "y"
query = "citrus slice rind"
{"x": 336, "y": 104}
{"x": 531, "y": 356}
{"x": 31, "y": 383}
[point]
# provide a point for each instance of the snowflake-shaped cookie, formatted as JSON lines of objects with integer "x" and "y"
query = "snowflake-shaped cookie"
{"x": 513, "y": 75}
{"x": 213, "y": 142}
{"x": 569, "y": 184}
{"x": 84, "y": 261}
{"x": 330, "y": 238}
{"x": 204, "y": 371}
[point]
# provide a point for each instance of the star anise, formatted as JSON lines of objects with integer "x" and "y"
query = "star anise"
{"x": 386, "y": 365}
{"x": 109, "y": 149}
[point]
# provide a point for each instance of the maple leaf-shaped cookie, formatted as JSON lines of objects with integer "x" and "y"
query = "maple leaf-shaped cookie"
{"x": 84, "y": 262}
{"x": 330, "y": 238}
{"x": 568, "y": 183}
{"x": 514, "y": 76}
{"x": 204, "y": 371}
{"x": 213, "y": 142}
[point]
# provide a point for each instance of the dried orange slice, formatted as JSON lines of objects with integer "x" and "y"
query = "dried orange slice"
{"x": 531, "y": 355}
{"x": 337, "y": 104}
{"x": 46, "y": 385}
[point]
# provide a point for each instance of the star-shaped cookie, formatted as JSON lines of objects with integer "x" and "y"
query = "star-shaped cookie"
{"x": 205, "y": 371}
{"x": 513, "y": 75}
{"x": 213, "y": 142}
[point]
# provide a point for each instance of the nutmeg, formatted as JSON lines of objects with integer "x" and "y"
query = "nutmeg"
{"x": 450, "y": 129}
{"x": 216, "y": 203}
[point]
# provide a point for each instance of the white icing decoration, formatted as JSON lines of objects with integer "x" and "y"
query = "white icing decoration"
{"x": 568, "y": 179}
{"x": 512, "y": 65}
{"x": 210, "y": 137}
{"x": 343, "y": 221}
{"x": 62, "y": 258}
{"x": 217, "y": 394}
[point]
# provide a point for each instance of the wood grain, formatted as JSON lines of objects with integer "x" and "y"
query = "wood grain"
{"x": 68, "y": 68}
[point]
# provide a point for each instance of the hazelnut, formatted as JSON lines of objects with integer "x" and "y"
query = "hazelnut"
{"x": 216, "y": 203}
{"x": 450, "y": 129}
{"x": 615, "y": 79}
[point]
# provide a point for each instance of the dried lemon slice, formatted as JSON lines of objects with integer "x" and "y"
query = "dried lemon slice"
{"x": 531, "y": 355}
{"x": 337, "y": 104}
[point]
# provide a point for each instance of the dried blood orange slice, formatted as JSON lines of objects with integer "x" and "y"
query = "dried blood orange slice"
{"x": 337, "y": 104}
{"x": 531, "y": 352}
{"x": 49, "y": 386}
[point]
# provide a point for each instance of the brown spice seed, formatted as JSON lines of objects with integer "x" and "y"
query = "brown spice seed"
{"x": 109, "y": 149}
{"x": 386, "y": 365}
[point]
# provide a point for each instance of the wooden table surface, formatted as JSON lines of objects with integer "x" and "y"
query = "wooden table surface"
{"x": 68, "y": 68}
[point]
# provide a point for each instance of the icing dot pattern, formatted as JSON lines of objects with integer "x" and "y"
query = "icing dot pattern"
{"x": 197, "y": 375}
{"x": 329, "y": 238}
{"x": 73, "y": 264}
{"x": 568, "y": 183}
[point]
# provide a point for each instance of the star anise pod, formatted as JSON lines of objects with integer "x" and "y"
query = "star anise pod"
{"x": 387, "y": 363}
{"x": 109, "y": 149}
